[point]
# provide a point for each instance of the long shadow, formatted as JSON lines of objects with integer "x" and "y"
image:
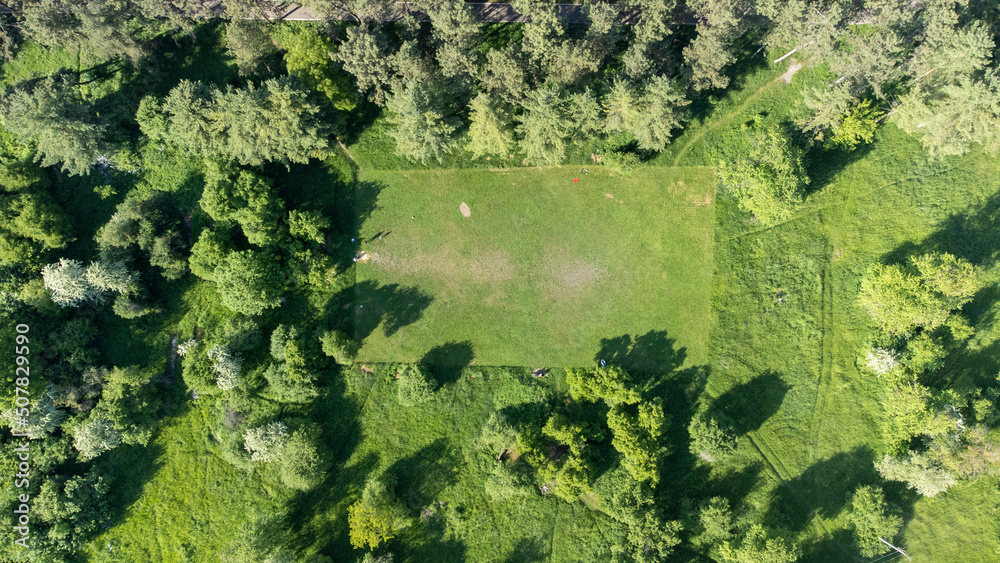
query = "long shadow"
{"x": 823, "y": 164}
{"x": 650, "y": 352}
{"x": 361, "y": 308}
{"x": 823, "y": 489}
{"x": 425, "y": 474}
{"x": 446, "y": 361}
{"x": 528, "y": 550}
{"x": 750, "y": 404}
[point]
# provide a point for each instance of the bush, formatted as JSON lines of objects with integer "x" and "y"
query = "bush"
{"x": 302, "y": 466}
{"x": 872, "y": 518}
{"x": 413, "y": 388}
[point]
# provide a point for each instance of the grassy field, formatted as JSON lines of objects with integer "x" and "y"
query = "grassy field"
{"x": 545, "y": 271}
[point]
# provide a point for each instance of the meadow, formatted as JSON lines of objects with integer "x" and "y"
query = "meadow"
{"x": 550, "y": 265}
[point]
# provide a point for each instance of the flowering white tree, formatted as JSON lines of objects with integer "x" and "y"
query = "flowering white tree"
{"x": 69, "y": 285}
{"x": 266, "y": 442}
{"x": 882, "y": 361}
{"x": 185, "y": 347}
{"x": 95, "y": 437}
{"x": 73, "y": 285}
{"x": 227, "y": 367}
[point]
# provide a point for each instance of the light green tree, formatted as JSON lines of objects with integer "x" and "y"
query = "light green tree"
{"x": 422, "y": 127}
{"x": 758, "y": 545}
{"x": 918, "y": 471}
{"x": 249, "y": 282}
{"x": 769, "y": 180}
{"x": 872, "y": 518}
{"x": 491, "y": 131}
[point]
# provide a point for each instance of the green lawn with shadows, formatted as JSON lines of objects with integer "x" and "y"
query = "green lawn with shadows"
{"x": 542, "y": 271}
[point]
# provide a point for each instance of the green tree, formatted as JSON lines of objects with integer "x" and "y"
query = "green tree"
{"x": 857, "y": 126}
{"x": 456, "y": 36}
{"x": 366, "y": 56}
{"x": 503, "y": 75}
{"x": 611, "y": 384}
{"x": 638, "y": 438}
{"x": 311, "y": 57}
{"x": 249, "y": 200}
{"x": 96, "y": 436}
{"x": 69, "y": 285}
{"x": 308, "y": 225}
{"x": 208, "y": 252}
{"x": 715, "y": 518}
{"x": 51, "y": 116}
{"x": 249, "y": 282}
{"x": 275, "y": 122}
{"x": 250, "y": 45}
{"x": 491, "y": 131}
{"x": 375, "y": 518}
{"x": 339, "y": 346}
{"x": 872, "y": 518}
{"x": 758, "y": 545}
{"x": 769, "y": 180}
{"x": 422, "y": 127}
{"x": 302, "y": 465}
{"x": 709, "y": 438}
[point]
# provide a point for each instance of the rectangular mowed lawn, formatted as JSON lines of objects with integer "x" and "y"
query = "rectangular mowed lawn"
{"x": 536, "y": 268}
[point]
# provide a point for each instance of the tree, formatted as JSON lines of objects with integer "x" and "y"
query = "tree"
{"x": 208, "y": 252}
{"x": 227, "y": 366}
{"x": 757, "y": 545}
{"x": 277, "y": 121}
{"x": 365, "y": 55}
{"x": 857, "y": 126}
{"x": 250, "y": 200}
{"x": 456, "y": 35}
{"x": 649, "y": 117}
{"x": 918, "y": 471}
{"x": 249, "y": 282}
{"x": 413, "y": 388}
{"x": 311, "y": 58}
{"x": 637, "y": 437}
{"x": 715, "y": 516}
{"x": 308, "y": 225}
{"x": 68, "y": 283}
{"x": 952, "y": 118}
{"x": 102, "y": 31}
{"x": 769, "y": 180}
{"x": 302, "y": 466}
{"x": 96, "y": 436}
{"x": 545, "y": 127}
{"x": 375, "y": 517}
{"x": 872, "y": 518}
{"x": 43, "y": 419}
{"x": 709, "y": 438}
{"x": 266, "y": 443}
{"x": 249, "y": 43}
{"x": 491, "y": 131}
{"x": 611, "y": 384}
{"x": 422, "y": 127}
{"x": 51, "y": 116}
{"x": 339, "y": 346}
{"x": 503, "y": 75}
{"x": 901, "y": 302}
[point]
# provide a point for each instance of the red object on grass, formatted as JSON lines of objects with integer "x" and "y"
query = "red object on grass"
{"x": 576, "y": 179}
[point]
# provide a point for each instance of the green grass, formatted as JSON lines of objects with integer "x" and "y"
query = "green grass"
{"x": 542, "y": 272}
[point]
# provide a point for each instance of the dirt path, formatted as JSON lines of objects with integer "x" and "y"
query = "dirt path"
{"x": 715, "y": 123}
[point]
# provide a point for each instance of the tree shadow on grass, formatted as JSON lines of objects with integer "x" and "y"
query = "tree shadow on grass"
{"x": 823, "y": 489}
{"x": 446, "y": 361}
{"x": 823, "y": 164}
{"x": 423, "y": 476}
{"x": 528, "y": 550}
{"x": 361, "y": 308}
{"x": 650, "y": 352}
{"x": 750, "y": 404}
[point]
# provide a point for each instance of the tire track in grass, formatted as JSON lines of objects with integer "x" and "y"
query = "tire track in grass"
{"x": 825, "y": 378}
